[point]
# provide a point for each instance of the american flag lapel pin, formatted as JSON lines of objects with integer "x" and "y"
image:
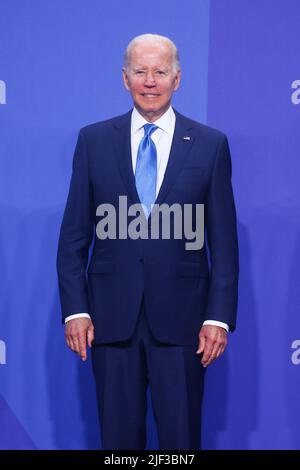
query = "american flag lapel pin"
{"x": 186, "y": 137}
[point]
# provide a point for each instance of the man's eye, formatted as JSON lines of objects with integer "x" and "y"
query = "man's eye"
{"x": 160, "y": 72}
{"x": 139, "y": 72}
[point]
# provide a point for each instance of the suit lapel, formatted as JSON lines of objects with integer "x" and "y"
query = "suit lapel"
{"x": 122, "y": 150}
{"x": 181, "y": 145}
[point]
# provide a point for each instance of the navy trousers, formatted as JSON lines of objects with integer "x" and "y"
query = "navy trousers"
{"x": 174, "y": 373}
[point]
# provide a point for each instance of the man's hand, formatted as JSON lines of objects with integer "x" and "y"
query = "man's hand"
{"x": 78, "y": 332}
{"x": 212, "y": 342}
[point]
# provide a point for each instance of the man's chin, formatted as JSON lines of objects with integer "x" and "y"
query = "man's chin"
{"x": 151, "y": 110}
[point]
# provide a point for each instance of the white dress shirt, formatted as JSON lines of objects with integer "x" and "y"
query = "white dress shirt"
{"x": 162, "y": 137}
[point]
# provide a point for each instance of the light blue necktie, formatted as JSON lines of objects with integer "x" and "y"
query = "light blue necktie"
{"x": 145, "y": 172}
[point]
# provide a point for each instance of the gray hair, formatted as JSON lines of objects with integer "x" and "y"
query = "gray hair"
{"x": 152, "y": 39}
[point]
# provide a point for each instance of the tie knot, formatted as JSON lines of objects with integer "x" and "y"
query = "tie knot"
{"x": 149, "y": 128}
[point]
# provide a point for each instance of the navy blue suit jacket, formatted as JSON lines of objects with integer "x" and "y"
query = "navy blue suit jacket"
{"x": 181, "y": 288}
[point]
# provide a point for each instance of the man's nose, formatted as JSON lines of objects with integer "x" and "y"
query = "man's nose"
{"x": 150, "y": 79}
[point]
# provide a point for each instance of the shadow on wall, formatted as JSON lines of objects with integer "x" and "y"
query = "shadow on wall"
{"x": 71, "y": 388}
{"x": 58, "y": 387}
{"x": 232, "y": 383}
{"x": 13, "y": 435}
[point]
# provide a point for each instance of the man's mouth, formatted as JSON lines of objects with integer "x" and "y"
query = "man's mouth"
{"x": 150, "y": 95}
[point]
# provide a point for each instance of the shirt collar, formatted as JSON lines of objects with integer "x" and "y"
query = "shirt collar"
{"x": 165, "y": 122}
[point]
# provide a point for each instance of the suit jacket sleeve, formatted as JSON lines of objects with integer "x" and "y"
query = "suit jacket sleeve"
{"x": 222, "y": 241}
{"x": 76, "y": 236}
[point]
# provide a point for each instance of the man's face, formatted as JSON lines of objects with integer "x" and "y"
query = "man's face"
{"x": 151, "y": 79}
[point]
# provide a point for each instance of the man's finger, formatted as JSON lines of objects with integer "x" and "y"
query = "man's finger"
{"x": 70, "y": 342}
{"x": 201, "y": 344}
{"x": 218, "y": 348}
{"x": 221, "y": 350}
{"x": 213, "y": 354}
{"x": 207, "y": 352}
{"x": 90, "y": 336}
{"x": 75, "y": 343}
{"x": 82, "y": 347}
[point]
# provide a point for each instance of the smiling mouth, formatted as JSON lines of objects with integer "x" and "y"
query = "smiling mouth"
{"x": 149, "y": 95}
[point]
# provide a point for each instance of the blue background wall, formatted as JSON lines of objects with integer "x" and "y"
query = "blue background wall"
{"x": 61, "y": 63}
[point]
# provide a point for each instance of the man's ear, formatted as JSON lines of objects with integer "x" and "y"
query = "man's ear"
{"x": 177, "y": 80}
{"x": 125, "y": 78}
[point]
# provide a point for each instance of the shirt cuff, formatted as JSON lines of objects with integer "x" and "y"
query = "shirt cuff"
{"x": 217, "y": 323}
{"x": 77, "y": 315}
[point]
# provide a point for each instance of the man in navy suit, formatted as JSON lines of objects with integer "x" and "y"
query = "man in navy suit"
{"x": 154, "y": 312}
